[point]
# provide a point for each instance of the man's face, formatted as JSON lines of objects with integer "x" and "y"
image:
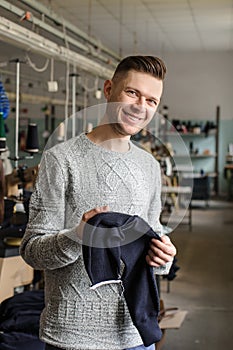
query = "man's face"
{"x": 132, "y": 99}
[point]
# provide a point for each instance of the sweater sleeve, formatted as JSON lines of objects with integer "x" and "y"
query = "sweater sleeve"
{"x": 155, "y": 202}
{"x": 155, "y": 211}
{"x": 47, "y": 243}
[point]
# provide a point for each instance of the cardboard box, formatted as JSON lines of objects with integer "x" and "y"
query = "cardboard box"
{"x": 171, "y": 318}
{"x": 14, "y": 272}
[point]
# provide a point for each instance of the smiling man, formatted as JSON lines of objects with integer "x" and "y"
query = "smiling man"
{"x": 133, "y": 96}
{"x": 84, "y": 176}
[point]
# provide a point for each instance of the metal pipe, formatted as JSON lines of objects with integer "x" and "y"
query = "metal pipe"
{"x": 67, "y": 100}
{"x": 17, "y": 113}
{"x": 52, "y": 15}
{"x": 37, "y": 99}
{"x": 27, "y": 39}
{"x": 73, "y": 75}
{"x": 56, "y": 32}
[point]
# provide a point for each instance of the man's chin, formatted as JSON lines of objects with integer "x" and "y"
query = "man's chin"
{"x": 126, "y": 130}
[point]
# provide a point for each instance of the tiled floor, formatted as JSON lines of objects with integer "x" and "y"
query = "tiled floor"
{"x": 204, "y": 283}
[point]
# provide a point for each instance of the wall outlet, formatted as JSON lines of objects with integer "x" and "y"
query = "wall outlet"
{"x": 52, "y": 86}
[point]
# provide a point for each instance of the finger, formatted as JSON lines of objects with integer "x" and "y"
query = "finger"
{"x": 165, "y": 239}
{"x": 165, "y": 245}
{"x": 158, "y": 246}
{"x": 154, "y": 262}
{"x": 89, "y": 214}
{"x": 159, "y": 256}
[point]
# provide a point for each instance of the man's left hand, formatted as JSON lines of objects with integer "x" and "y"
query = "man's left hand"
{"x": 160, "y": 252}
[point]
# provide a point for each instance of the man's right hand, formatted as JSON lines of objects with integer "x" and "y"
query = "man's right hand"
{"x": 88, "y": 215}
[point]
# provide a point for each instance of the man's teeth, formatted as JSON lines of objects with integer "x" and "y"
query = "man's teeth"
{"x": 134, "y": 118}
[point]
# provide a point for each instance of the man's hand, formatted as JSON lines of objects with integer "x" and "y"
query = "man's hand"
{"x": 88, "y": 215}
{"x": 160, "y": 252}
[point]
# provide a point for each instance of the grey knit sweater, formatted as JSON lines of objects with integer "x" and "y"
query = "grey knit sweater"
{"x": 75, "y": 177}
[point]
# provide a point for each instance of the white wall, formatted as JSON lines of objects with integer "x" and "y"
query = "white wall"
{"x": 197, "y": 82}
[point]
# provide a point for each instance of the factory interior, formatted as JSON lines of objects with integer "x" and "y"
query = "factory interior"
{"x": 55, "y": 57}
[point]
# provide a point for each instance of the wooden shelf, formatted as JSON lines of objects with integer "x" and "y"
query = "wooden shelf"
{"x": 198, "y": 175}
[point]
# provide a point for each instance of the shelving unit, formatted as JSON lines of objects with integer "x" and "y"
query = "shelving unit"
{"x": 200, "y": 147}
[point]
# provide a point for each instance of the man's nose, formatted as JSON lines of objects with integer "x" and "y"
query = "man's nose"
{"x": 141, "y": 101}
{"x": 140, "y": 105}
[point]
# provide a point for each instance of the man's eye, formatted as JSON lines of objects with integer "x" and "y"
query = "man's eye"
{"x": 131, "y": 92}
{"x": 152, "y": 102}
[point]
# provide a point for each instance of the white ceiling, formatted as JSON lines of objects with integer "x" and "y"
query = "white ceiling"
{"x": 152, "y": 26}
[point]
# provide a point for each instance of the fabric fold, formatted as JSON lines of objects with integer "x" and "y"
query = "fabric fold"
{"x": 121, "y": 237}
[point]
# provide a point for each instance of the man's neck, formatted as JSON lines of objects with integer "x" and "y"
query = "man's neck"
{"x": 104, "y": 136}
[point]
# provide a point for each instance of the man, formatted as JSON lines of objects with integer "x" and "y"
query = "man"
{"x": 90, "y": 174}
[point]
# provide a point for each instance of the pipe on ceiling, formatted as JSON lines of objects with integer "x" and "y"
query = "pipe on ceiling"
{"x": 60, "y": 20}
{"x": 86, "y": 48}
{"x": 24, "y": 38}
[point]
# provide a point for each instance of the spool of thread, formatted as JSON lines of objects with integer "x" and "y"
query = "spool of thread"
{"x": 2, "y": 134}
{"x": 2, "y": 144}
{"x": 32, "y": 143}
{"x": 89, "y": 127}
{"x": 61, "y": 132}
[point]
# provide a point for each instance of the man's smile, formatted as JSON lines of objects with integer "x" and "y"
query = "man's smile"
{"x": 131, "y": 116}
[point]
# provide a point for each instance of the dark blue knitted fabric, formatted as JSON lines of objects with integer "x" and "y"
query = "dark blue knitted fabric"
{"x": 19, "y": 321}
{"x": 104, "y": 247}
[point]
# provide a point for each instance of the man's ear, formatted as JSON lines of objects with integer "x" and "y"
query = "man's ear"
{"x": 107, "y": 88}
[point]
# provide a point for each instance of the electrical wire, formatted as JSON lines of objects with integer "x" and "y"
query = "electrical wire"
{"x": 33, "y": 65}
{"x": 90, "y": 89}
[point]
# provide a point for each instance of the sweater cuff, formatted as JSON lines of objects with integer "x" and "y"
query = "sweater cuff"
{"x": 164, "y": 269}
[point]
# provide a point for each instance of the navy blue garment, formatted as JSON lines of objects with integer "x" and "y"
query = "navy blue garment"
{"x": 111, "y": 237}
{"x": 19, "y": 321}
{"x": 20, "y": 341}
{"x": 21, "y": 313}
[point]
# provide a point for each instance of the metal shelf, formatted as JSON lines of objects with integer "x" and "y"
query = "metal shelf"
{"x": 192, "y": 134}
{"x": 197, "y": 156}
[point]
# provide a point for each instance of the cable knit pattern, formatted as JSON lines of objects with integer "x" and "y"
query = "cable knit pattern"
{"x": 74, "y": 177}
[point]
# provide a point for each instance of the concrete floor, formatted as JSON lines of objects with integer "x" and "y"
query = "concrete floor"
{"x": 204, "y": 283}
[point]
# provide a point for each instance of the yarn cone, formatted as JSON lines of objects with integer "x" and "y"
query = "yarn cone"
{"x": 2, "y": 134}
{"x": 32, "y": 143}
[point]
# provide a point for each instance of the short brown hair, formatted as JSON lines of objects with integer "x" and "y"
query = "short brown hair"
{"x": 145, "y": 64}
